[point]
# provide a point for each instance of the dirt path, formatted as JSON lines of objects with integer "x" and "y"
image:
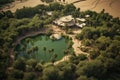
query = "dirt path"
{"x": 76, "y": 43}
{"x": 65, "y": 58}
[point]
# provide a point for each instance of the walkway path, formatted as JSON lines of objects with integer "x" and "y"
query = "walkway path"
{"x": 76, "y": 42}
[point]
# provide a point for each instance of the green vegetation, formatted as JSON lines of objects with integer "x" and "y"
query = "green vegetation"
{"x": 44, "y": 49}
{"x": 2, "y": 2}
{"x": 101, "y": 37}
{"x": 47, "y": 1}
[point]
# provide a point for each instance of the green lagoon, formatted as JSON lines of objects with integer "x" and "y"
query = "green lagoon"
{"x": 45, "y": 49}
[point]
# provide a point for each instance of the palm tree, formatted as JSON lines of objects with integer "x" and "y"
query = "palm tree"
{"x": 55, "y": 55}
{"x": 44, "y": 49}
{"x": 27, "y": 40}
{"x": 36, "y": 50}
{"x": 29, "y": 51}
{"x": 22, "y": 49}
{"x": 53, "y": 58}
{"x": 66, "y": 52}
{"x": 50, "y": 51}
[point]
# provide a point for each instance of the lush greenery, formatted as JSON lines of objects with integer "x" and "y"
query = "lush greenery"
{"x": 5, "y": 1}
{"x": 100, "y": 38}
{"x": 44, "y": 49}
{"x": 47, "y": 1}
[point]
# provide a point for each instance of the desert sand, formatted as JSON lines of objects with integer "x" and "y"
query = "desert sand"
{"x": 29, "y": 3}
{"x": 110, "y": 6}
{"x": 76, "y": 43}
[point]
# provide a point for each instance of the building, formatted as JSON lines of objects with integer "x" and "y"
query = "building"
{"x": 49, "y": 13}
{"x": 87, "y": 16}
{"x": 70, "y": 21}
{"x": 81, "y": 25}
{"x": 80, "y": 20}
{"x": 65, "y": 21}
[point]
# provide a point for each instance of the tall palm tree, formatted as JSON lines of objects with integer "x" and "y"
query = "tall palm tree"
{"x": 55, "y": 55}
{"x": 44, "y": 49}
{"x": 53, "y": 58}
{"x": 50, "y": 52}
{"x": 36, "y": 51}
{"x": 22, "y": 50}
{"x": 29, "y": 51}
{"x": 65, "y": 52}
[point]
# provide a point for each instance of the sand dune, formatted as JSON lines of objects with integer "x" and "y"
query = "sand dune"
{"x": 28, "y": 3}
{"x": 110, "y": 6}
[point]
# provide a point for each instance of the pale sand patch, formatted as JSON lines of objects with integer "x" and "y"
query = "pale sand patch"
{"x": 29, "y": 3}
{"x": 110, "y": 6}
{"x": 76, "y": 43}
{"x": 65, "y": 58}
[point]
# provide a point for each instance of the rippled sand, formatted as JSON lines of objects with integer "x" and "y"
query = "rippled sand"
{"x": 28, "y": 3}
{"x": 110, "y": 6}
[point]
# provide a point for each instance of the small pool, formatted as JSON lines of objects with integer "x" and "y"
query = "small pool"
{"x": 42, "y": 48}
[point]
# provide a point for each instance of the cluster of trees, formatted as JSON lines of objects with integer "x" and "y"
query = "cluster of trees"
{"x": 33, "y": 70}
{"x": 68, "y": 9}
{"x": 47, "y": 1}
{"x": 102, "y": 36}
{"x": 25, "y": 12}
{"x": 28, "y": 12}
{"x": 8, "y": 14}
{"x": 32, "y": 52}
{"x": 2, "y": 2}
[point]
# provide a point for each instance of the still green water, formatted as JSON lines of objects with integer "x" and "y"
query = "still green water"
{"x": 42, "y": 41}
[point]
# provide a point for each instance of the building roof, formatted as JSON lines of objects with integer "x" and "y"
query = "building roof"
{"x": 81, "y": 19}
{"x": 87, "y": 16}
{"x": 81, "y": 25}
{"x": 66, "y": 18}
{"x": 49, "y": 13}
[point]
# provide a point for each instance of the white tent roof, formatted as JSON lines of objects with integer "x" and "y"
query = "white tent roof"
{"x": 81, "y": 25}
{"x": 66, "y": 18}
{"x": 81, "y": 19}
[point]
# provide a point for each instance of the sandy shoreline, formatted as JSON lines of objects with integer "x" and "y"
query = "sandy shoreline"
{"x": 57, "y": 30}
{"x": 76, "y": 43}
